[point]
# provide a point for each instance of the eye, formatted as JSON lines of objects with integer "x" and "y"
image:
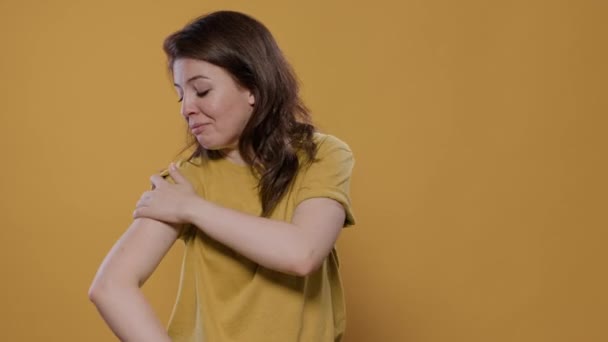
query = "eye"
{"x": 203, "y": 93}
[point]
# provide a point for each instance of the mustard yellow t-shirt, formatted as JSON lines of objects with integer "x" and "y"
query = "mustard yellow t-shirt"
{"x": 225, "y": 297}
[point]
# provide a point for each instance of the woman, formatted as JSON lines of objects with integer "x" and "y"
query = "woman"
{"x": 259, "y": 203}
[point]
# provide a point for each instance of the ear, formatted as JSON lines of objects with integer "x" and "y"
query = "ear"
{"x": 251, "y": 99}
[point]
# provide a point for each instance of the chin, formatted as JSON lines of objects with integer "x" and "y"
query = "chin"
{"x": 211, "y": 145}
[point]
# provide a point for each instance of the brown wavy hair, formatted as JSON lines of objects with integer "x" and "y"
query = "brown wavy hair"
{"x": 280, "y": 124}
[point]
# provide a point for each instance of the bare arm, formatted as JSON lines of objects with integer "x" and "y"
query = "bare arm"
{"x": 115, "y": 291}
{"x": 298, "y": 247}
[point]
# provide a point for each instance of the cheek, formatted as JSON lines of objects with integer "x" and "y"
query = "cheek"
{"x": 228, "y": 111}
{"x": 241, "y": 117}
{"x": 232, "y": 115}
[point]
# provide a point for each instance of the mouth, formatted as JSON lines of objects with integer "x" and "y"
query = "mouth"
{"x": 198, "y": 128}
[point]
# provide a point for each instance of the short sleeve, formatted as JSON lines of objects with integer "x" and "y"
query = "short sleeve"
{"x": 329, "y": 175}
{"x": 186, "y": 168}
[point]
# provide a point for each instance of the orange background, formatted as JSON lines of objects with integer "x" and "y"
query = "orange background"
{"x": 479, "y": 129}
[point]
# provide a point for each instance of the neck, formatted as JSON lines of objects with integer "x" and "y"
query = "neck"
{"x": 234, "y": 156}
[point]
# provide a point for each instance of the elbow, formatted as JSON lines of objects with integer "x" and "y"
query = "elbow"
{"x": 99, "y": 289}
{"x": 103, "y": 288}
{"x": 95, "y": 291}
{"x": 305, "y": 264}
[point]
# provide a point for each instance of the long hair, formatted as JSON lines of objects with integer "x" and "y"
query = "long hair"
{"x": 280, "y": 123}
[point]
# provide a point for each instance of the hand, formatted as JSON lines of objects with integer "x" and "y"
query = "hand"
{"x": 167, "y": 202}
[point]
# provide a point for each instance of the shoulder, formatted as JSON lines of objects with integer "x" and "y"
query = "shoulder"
{"x": 329, "y": 145}
{"x": 184, "y": 166}
{"x": 329, "y": 142}
{"x": 332, "y": 155}
{"x": 328, "y": 174}
{"x": 191, "y": 169}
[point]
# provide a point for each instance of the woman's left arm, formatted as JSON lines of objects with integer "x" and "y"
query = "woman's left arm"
{"x": 297, "y": 247}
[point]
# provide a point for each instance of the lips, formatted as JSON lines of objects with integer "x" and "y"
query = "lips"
{"x": 197, "y": 128}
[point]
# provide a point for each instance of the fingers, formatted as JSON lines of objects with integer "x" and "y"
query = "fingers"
{"x": 144, "y": 199}
{"x": 176, "y": 175}
{"x": 157, "y": 181}
{"x": 139, "y": 212}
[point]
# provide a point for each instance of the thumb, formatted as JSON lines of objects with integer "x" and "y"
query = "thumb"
{"x": 176, "y": 175}
{"x": 140, "y": 212}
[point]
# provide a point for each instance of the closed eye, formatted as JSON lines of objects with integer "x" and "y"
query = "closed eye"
{"x": 199, "y": 94}
{"x": 202, "y": 94}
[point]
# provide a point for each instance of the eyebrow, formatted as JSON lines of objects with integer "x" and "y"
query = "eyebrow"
{"x": 196, "y": 77}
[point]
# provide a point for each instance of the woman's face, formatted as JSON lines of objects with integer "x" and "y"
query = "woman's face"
{"x": 215, "y": 106}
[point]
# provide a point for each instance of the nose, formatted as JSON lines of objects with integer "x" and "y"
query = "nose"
{"x": 188, "y": 107}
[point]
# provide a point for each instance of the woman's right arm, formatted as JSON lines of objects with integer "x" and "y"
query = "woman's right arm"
{"x": 115, "y": 291}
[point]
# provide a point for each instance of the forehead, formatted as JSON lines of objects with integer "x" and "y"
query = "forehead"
{"x": 185, "y": 69}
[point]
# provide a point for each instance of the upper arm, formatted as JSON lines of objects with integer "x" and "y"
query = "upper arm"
{"x": 323, "y": 204}
{"x": 321, "y": 220}
{"x": 329, "y": 177}
{"x": 136, "y": 254}
{"x": 141, "y": 248}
